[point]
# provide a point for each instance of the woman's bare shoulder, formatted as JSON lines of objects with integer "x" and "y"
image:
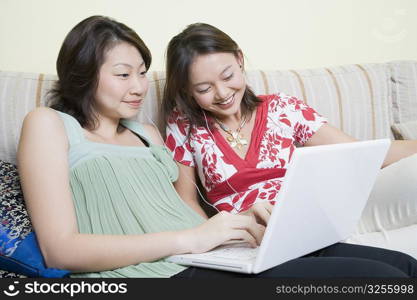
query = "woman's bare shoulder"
{"x": 44, "y": 124}
{"x": 43, "y": 118}
{"x": 43, "y": 114}
{"x": 153, "y": 133}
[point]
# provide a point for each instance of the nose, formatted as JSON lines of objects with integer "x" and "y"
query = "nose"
{"x": 139, "y": 85}
{"x": 222, "y": 91}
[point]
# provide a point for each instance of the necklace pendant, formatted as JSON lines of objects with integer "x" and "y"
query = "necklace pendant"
{"x": 233, "y": 139}
{"x": 234, "y": 144}
{"x": 243, "y": 141}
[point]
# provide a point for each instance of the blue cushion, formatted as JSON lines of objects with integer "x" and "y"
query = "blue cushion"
{"x": 19, "y": 249}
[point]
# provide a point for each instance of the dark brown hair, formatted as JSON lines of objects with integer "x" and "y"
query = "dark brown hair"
{"x": 196, "y": 39}
{"x": 80, "y": 58}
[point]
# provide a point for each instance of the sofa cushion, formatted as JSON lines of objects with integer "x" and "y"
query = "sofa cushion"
{"x": 7, "y": 274}
{"x": 389, "y": 217}
{"x": 404, "y": 90}
{"x": 405, "y": 131}
{"x": 354, "y": 98}
{"x": 19, "y": 250}
{"x": 22, "y": 92}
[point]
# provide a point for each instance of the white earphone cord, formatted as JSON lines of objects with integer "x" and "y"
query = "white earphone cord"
{"x": 183, "y": 173}
{"x": 193, "y": 182}
{"x": 227, "y": 181}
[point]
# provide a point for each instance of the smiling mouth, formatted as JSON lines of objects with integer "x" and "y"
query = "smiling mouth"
{"x": 227, "y": 101}
{"x": 135, "y": 102}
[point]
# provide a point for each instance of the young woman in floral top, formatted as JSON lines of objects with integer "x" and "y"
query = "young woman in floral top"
{"x": 240, "y": 144}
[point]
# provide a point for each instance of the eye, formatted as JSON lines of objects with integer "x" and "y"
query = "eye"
{"x": 203, "y": 91}
{"x": 143, "y": 73}
{"x": 228, "y": 77}
{"x": 123, "y": 75}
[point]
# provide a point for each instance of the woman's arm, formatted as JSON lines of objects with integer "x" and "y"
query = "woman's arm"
{"x": 186, "y": 183}
{"x": 44, "y": 171}
{"x": 399, "y": 150}
{"x": 328, "y": 134}
{"x": 187, "y": 188}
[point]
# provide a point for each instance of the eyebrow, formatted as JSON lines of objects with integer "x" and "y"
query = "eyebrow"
{"x": 127, "y": 65}
{"x": 225, "y": 69}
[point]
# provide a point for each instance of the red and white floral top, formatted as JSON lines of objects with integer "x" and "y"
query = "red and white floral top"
{"x": 232, "y": 183}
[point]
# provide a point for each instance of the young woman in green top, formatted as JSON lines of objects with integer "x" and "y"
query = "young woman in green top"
{"x": 98, "y": 187}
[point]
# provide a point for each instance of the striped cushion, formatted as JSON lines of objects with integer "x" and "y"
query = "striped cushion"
{"x": 149, "y": 113}
{"x": 22, "y": 92}
{"x": 355, "y": 98}
{"x": 405, "y": 131}
{"x": 404, "y": 90}
{"x": 19, "y": 94}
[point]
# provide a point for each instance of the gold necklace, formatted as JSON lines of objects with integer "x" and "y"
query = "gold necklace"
{"x": 235, "y": 138}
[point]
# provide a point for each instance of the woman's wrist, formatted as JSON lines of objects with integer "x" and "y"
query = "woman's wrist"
{"x": 184, "y": 241}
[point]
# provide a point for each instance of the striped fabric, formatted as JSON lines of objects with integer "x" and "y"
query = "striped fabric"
{"x": 150, "y": 111}
{"x": 405, "y": 131}
{"x": 404, "y": 90}
{"x": 22, "y": 92}
{"x": 19, "y": 94}
{"x": 355, "y": 98}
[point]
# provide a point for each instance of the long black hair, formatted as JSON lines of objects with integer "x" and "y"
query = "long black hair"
{"x": 196, "y": 39}
{"x": 80, "y": 58}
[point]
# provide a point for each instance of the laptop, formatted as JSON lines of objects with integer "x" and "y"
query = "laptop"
{"x": 320, "y": 203}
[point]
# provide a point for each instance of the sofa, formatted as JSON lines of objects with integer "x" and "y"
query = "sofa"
{"x": 367, "y": 101}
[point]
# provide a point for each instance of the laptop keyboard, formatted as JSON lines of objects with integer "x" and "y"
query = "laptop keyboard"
{"x": 240, "y": 253}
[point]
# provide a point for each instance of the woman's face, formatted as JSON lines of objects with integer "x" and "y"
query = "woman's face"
{"x": 217, "y": 83}
{"x": 122, "y": 82}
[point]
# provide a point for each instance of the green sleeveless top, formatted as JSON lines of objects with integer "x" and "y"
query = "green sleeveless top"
{"x": 125, "y": 190}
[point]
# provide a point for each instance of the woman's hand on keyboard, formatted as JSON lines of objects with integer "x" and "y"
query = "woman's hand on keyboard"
{"x": 261, "y": 211}
{"x": 224, "y": 228}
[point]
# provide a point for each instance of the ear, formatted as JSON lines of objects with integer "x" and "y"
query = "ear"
{"x": 240, "y": 59}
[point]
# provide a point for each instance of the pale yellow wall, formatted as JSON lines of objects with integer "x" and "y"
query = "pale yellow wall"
{"x": 274, "y": 34}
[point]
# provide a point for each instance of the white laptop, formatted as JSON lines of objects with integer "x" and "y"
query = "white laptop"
{"x": 320, "y": 203}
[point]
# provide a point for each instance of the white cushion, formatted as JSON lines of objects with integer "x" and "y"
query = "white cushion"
{"x": 404, "y": 90}
{"x": 389, "y": 219}
{"x": 354, "y": 98}
{"x": 402, "y": 239}
{"x": 405, "y": 131}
